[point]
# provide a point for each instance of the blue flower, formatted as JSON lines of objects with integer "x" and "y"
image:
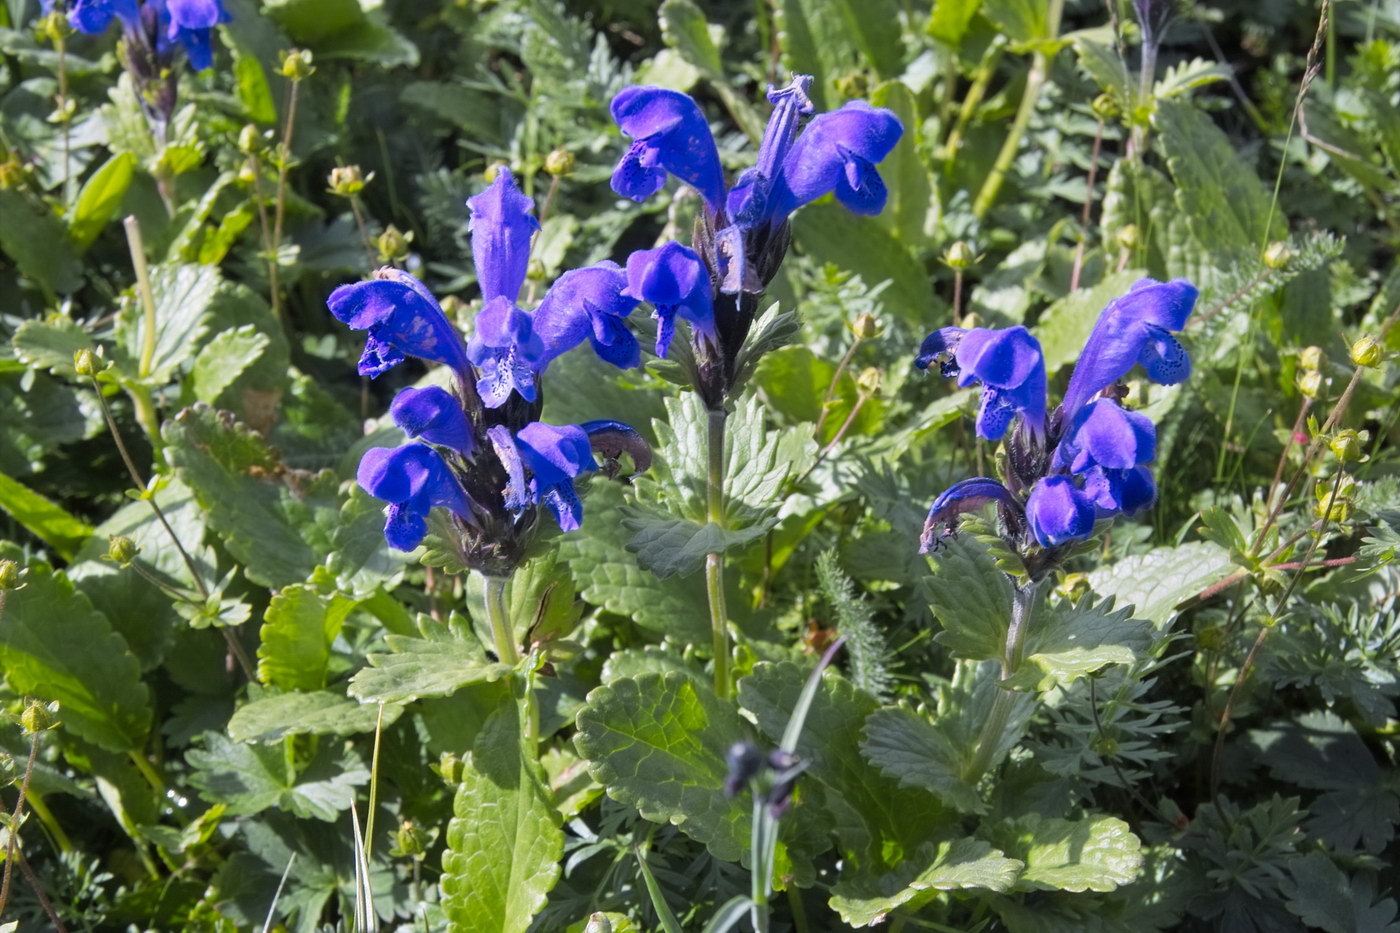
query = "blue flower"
{"x": 92, "y": 17}
{"x": 402, "y": 318}
{"x": 1007, "y": 362}
{"x": 190, "y": 23}
{"x": 611, "y": 439}
{"x": 675, "y": 282}
{"x": 669, "y": 134}
{"x": 413, "y": 479}
{"x": 968, "y": 495}
{"x": 1135, "y": 328}
{"x": 555, "y": 456}
{"x": 1058, "y": 511}
{"x": 589, "y": 303}
{"x": 501, "y": 228}
{"x": 837, "y": 152}
{"x": 435, "y": 415}
{"x": 508, "y": 352}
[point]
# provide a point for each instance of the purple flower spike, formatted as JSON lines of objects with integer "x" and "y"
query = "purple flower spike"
{"x": 412, "y": 479}
{"x": 1105, "y": 434}
{"x": 1059, "y": 512}
{"x": 750, "y": 203}
{"x": 434, "y": 415}
{"x": 674, "y": 280}
{"x": 1007, "y": 362}
{"x": 515, "y": 496}
{"x": 501, "y": 227}
{"x": 838, "y": 152}
{"x": 507, "y": 350}
{"x": 1135, "y": 328}
{"x": 969, "y": 495}
{"x": 669, "y": 135}
{"x": 403, "y": 319}
{"x": 555, "y": 455}
{"x": 190, "y": 23}
{"x": 92, "y": 17}
{"x": 589, "y": 303}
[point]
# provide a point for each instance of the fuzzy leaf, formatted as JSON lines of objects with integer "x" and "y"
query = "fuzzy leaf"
{"x": 297, "y": 633}
{"x": 1155, "y": 583}
{"x": 971, "y": 598}
{"x": 668, "y": 546}
{"x": 435, "y": 666}
{"x": 274, "y": 716}
{"x": 947, "y": 866}
{"x": 251, "y": 778}
{"x": 183, "y": 294}
{"x": 1096, "y": 853}
{"x": 224, "y": 359}
{"x": 917, "y": 753}
{"x": 1068, "y": 641}
{"x": 50, "y": 344}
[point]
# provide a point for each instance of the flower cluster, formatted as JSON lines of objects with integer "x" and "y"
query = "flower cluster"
{"x": 1089, "y": 459}
{"x": 157, "y": 26}
{"x": 478, "y": 450}
{"x": 742, "y": 234}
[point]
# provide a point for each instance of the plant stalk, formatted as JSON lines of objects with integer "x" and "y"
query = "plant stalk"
{"x": 714, "y": 562}
{"x": 143, "y": 291}
{"x": 501, "y": 632}
{"x": 1023, "y": 602}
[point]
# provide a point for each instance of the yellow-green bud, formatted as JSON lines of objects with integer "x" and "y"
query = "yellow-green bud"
{"x": 959, "y": 256}
{"x": 598, "y": 923}
{"x": 36, "y": 718}
{"x": 559, "y": 162}
{"x": 348, "y": 180}
{"x": 1310, "y": 383}
{"x": 296, "y": 65}
{"x": 122, "y": 550}
{"x": 535, "y": 270}
{"x": 393, "y": 244}
{"x": 1129, "y": 237}
{"x": 1211, "y": 638}
{"x": 9, "y": 575}
{"x": 1346, "y": 445}
{"x": 1105, "y": 108}
{"x": 1367, "y": 352}
{"x": 491, "y": 170}
{"x": 1278, "y": 255}
{"x": 1341, "y": 503}
{"x": 251, "y": 141}
{"x": 868, "y": 382}
{"x": 450, "y": 768}
{"x": 1311, "y": 358}
{"x": 55, "y": 26}
{"x": 1105, "y": 745}
{"x": 11, "y": 174}
{"x": 85, "y": 363}
{"x": 853, "y": 86}
{"x": 865, "y": 326}
{"x": 1074, "y": 585}
{"x": 411, "y": 840}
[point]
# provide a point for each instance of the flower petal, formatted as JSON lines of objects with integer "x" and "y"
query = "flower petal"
{"x": 670, "y": 133}
{"x": 501, "y": 227}
{"x": 433, "y": 414}
{"x": 857, "y": 135}
{"x": 1059, "y": 512}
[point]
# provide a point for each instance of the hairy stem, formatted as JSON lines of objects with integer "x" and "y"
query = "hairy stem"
{"x": 143, "y": 291}
{"x": 284, "y": 164}
{"x": 12, "y": 849}
{"x": 1023, "y": 602}
{"x": 714, "y": 562}
{"x": 501, "y": 631}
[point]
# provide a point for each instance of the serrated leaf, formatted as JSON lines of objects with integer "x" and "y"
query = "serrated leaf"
{"x": 971, "y": 598}
{"x": 657, "y": 743}
{"x": 773, "y": 330}
{"x": 100, "y": 198}
{"x": 950, "y": 865}
{"x": 1107, "y": 69}
{"x": 183, "y": 294}
{"x": 503, "y": 842}
{"x": 55, "y": 646}
{"x": 223, "y": 359}
{"x": 1068, "y": 641}
{"x": 1155, "y": 583}
{"x": 45, "y": 519}
{"x": 917, "y": 753}
{"x": 273, "y": 717}
{"x": 434, "y": 666}
{"x": 38, "y": 242}
{"x": 1317, "y": 892}
{"x": 296, "y": 637}
{"x": 670, "y": 546}
{"x": 50, "y": 344}
{"x": 1187, "y": 76}
{"x": 249, "y": 779}
{"x": 1096, "y": 853}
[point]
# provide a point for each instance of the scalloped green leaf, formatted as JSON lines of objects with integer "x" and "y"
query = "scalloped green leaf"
{"x": 251, "y": 778}
{"x": 1068, "y": 641}
{"x": 971, "y": 598}
{"x": 958, "y": 864}
{"x": 1155, "y": 583}
{"x": 183, "y": 294}
{"x": 274, "y": 716}
{"x": 434, "y": 666}
{"x": 298, "y": 629}
{"x": 917, "y": 753}
{"x": 1096, "y": 853}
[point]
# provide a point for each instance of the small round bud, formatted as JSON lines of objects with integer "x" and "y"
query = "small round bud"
{"x": 1211, "y": 638}
{"x": 1311, "y": 358}
{"x": 559, "y": 162}
{"x": 36, "y": 718}
{"x": 1278, "y": 255}
{"x": 1105, "y": 108}
{"x": 1338, "y": 494}
{"x": 865, "y": 326}
{"x": 449, "y": 766}
{"x": 250, "y": 141}
{"x": 1105, "y": 745}
{"x": 1074, "y": 586}
{"x": 9, "y": 575}
{"x": 959, "y": 256}
{"x": 393, "y": 244}
{"x": 598, "y": 923}
{"x": 868, "y": 382}
{"x": 1367, "y": 352}
{"x": 85, "y": 363}
{"x": 1310, "y": 383}
{"x": 55, "y": 26}
{"x": 121, "y": 550}
{"x": 535, "y": 270}
{"x": 491, "y": 170}
{"x": 853, "y": 86}
{"x": 296, "y": 65}
{"x": 348, "y": 180}
{"x": 11, "y": 174}
{"x": 1129, "y": 237}
{"x": 411, "y": 840}
{"x": 1347, "y": 445}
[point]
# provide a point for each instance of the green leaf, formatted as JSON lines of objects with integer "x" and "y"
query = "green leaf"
{"x": 38, "y": 242}
{"x": 249, "y": 779}
{"x": 100, "y": 199}
{"x": 50, "y": 344}
{"x": 773, "y": 329}
{"x": 950, "y": 20}
{"x": 911, "y": 213}
{"x": 685, "y": 29}
{"x": 657, "y": 743}
{"x": 668, "y": 546}
{"x": 297, "y": 633}
{"x": 182, "y": 294}
{"x": 440, "y": 663}
{"x": 223, "y": 359}
{"x": 971, "y": 598}
{"x": 1068, "y": 641}
{"x": 1106, "y": 67}
{"x": 1022, "y": 21}
{"x": 43, "y": 518}
{"x": 55, "y": 646}
{"x": 1155, "y": 583}
{"x": 794, "y": 381}
{"x": 274, "y": 716}
{"x": 917, "y": 753}
{"x": 504, "y": 842}
{"x": 947, "y": 866}
{"x": 830, "y": 233}
{"x": 1096, "y": 853}
{"x": 253, "y": 91}
{"x": 830, "y": 40}
{"x": 1064, "y": 327}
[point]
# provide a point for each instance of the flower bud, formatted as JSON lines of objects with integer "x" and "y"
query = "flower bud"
{"x": 1367, "y": 352}
{"x": 1340, "y": 501}
{"x": 121, "y": 550}
{"x": 1129, "y": 237}
{"x": 9, "y": 575}
{"x": 411, "y": 840}
{"x": 250, "y": 141}
{"x": 853, "y": 86}
{"x": 959, "y": 256}
{"x": 1211, "y": 638}
{"x": 559, "y": 162}
{"x": 598, "y": 923}
{"x": 1310, "y": 383}
{"x": 868, "y": 382}
{"x": 11, "y": 174}
{"x": 36, "y": 718}
{"x": 1311, "y": 358}
{"x": 490, "y": 173}
{"x": 865, "y": 326}
{"x": 348, "y": 180}
{"x": 85, "y": 363}
{"x": 393, "y": 245}
{"x": 55, "y": 26}
{"x": 1278, "y": 255}
{"x": 1346, "y": 445}
{"x": 296, "y": 65}
{"x": 449, "y": 766}
{"x": 535, "y": 270}
{"x": 1074, "y": 586}
{"x": 1105, "y": 108}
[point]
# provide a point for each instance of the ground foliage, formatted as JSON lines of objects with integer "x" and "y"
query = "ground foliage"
{"x": 281, "y": 720}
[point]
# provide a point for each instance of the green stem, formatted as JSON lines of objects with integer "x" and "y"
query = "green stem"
{"x": 714, "y": 562}
{"x": 501, "y": 631}
{"x": 1035, "y": 80}
{"x": 1023, "y": 603}
{"x": 143, "y": 291}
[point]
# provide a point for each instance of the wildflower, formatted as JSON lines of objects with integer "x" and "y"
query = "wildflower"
{"x": 1008, "y": 364}
{"x": 157, "y": 26}
{"x": 403, "y": 319}
{"x": 590, "y": 303}
{"x": 673, "y": 279}
{"x": 413, "y": 479}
